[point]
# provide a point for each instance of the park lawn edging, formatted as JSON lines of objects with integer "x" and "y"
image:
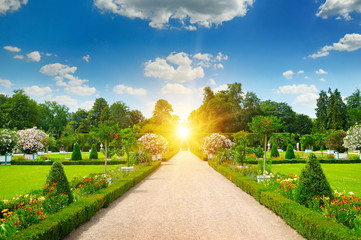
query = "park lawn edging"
{"x": 307, "y": 222}
{"x": 60, "y": 224}
{"x": 80, "y": 162}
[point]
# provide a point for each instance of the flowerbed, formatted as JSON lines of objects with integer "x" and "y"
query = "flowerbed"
{"x": 25, "y": 215}
{"x": 312, "y": 224}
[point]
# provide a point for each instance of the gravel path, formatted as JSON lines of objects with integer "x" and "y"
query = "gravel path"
{"x": 185, "y": 199}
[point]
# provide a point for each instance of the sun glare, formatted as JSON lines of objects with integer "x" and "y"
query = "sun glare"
{"x": 183, "y": 132}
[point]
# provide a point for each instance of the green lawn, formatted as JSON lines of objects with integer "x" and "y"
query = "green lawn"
{"x": 341, "y": 176}
{"x": 55, "y": 156}
{"x": 20, "y": 179}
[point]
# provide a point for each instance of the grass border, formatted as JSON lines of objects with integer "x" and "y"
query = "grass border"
{"x": 307, "y": 222}
{"x": 60, "y": 224}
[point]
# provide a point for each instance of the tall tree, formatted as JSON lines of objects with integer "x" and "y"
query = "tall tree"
{"x": 162, "y": 111}
{"x": 4, "y": 119}
{"x": 303, "y": 124}
{"x": 354, "y": 108}
{"x": 78, "y": 116}
{"x": 281, "y": 110}
{"x": 119, "y": 114}
{"x": 336, "y": 111}
{"x": 136, "y": 117}
{"x": 96, "y": 111}
{"x": 321, "y": 111}
{"x": 53, "y": 117}
{"x": 251, "y": 108}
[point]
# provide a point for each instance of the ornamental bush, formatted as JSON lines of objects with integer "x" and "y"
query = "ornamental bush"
{"x": 353, "y": 138}
{"x": 154, "y": 143}
{"x": 290, "y": 154}
{"x": 58, "y": 180}
{"x": 93, "y": 153}
{"x": 312, "y": 182}
{"x": 8, "y": 141}
{"x": 30, "y": 140}
{"x": 274, "y": 151}
{"x": 214, "y": 142}
{"x": 76, "y": 155}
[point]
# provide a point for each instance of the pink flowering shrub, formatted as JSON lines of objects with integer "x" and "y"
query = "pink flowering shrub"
{"x": 8, "y": 141}
{"x": 154, "y": 143}
{"x": 31, "y": 140}
{"x": 215, "y": 141}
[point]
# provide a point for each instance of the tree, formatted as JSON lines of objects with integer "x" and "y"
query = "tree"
{"x": 281, "y": 110}
{"x": 78, "y": 116}
{"x": 334, "y": 140}
{"x": 53, "y": 117}
{"x": 290, "y": 154}
{"x": 354, "y": 100}
{"x": 336, "y": 111}
{"x": 162, "y": 111}
{"x": 119, "y": 114}
{"x": 274, "y": 151}
{"x": 95, "y": 113}
{"x": 303, "y": 124}
{"x": 76, "y": 155}
{"x": 136, "y": 117}
{"x": 93, "y": 153}
{"x": 320, "y": 141}
{"x": 47, "y": 142}
{"x": 66, "y": 142}
{"x": 264, "y": 126}
{"x": 4, "y": 119}
{"x": 251, "y": 108}
{"x": 308, "y": 140}
{"x": 242, "y": 142}
{"x": 128, "y": 140}
{"x": 321, "y": 111}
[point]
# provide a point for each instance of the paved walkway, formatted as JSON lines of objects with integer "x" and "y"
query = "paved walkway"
{"x": 185, "y": 199}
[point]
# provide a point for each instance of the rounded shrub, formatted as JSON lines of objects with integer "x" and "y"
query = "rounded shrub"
{"x": 58, "y": 178}
{"x": 93, "y": 153}
{"x": 76, "y": 155}
{"x": 312, "y": 182}
{"x": 290, "y": 154}
{"x": 274, "y": 151}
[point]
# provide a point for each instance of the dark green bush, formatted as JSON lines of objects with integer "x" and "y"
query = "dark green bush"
{"x": 57, "y": 175}
{"x": 258, "y": 151}
{"x": 274, "y": 151}
{"x": 290, "y": 154}
{"x": 312, "y": 182}
{"x": 76, "y": 155}
{"x": 93, "y": 153}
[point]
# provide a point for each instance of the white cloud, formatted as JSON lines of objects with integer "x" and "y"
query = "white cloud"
{"x": 11, "y": 5}
{"x": 48, "y": 54}
{"x": 288, "y": 74}
{"x": 321, "y": 71}
{"x": 205, "y": 13}
{"x": 307, "y": 99}
{"x": 74, "y": 85}
{"x": 322, "y": 80}
{"x": 349, "y": 43}
{"x": 339, "y": 8}
{"x": 164, "y": 68}
{"x": 19, "y": 57}
{"x": 87, "y": 105}
{"x": 204, "y": 57}
{"x": 306, "y": 77}
{"x": 176, "y": 88}
{"x": 220, "y": 88}
{"x": 10, "y": 48}
{"x": 86, "y": 58}
{"x": 65, "y": 100}
{"x": 218, "y": 65}
{"x": 212, "y": 81}
{"x": 121, "y": 89}
{"x": 5, "y": 83}
{"x": 37, "y": 91}
{"x": 301, "y": 72}
{"x": 34, "y": 56}
{"x": 297, "y": 89}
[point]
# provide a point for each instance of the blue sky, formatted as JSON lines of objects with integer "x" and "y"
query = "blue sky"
{"x": 140, "y": 51}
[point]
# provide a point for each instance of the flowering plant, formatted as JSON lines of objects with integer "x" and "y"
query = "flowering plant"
{"x": 353, "y": 138}
{"x": 31, "y": 140}
{"x": 154, "y": 143}
{"x": 215, "y": 141}
{"x": 8, "y": 141}
{"x": 334, "y": 140}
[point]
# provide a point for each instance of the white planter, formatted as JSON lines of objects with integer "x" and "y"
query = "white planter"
{"x": 159, "y": 156}
{"x": 41, "y": 153}
{"x": 261, "y": 178}
{"x": 30, "y": 156}
{"x": 243, "y": 167}
{"x": 341, "y": 155}
{"x": 62, "y": 152}
{"x": 127, "y": 168}
{"x": 308, "y": 150}
{"x": 330, "y": 151}
{"x": 279, "y": 150}
{"x": 154, "y": 157}
{"x": 6, "y": 158}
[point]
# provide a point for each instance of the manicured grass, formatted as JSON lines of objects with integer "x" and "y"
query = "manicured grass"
{"x": 341, "y": 176}
{"x": 20, "y": 179}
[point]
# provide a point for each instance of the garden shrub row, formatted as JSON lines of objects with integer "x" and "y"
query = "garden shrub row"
{"x": 288, "y": 161}
{"x": 82, "y": 162}
{"x": 60, "y": 224}
{"x": 310, "y": 224}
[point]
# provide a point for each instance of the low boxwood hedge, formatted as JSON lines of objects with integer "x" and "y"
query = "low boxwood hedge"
{"x": 288, "y": 161}
{"x": 81, "y": 162}
{"x": 311, "y": 224}
{"x": 60, "y": 224}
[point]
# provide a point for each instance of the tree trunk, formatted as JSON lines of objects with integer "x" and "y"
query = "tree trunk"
{"x": 265, "y": 152}
{"x": 106, "y": 156}
{"x": 128, "y": 158}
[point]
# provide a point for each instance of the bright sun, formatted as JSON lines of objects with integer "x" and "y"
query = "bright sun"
{"x": 183, "y": 132}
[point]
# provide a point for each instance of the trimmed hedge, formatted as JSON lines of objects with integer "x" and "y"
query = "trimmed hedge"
{"x": 288, "y": 161}
{"x": 81, "y": 162}
{"x": 311, "y": 224}
{"x": 60, "y": 224}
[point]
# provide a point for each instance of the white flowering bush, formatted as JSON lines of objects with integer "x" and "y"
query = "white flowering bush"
{"x": 8, "y": 141}
{"x": 154, "y": 143}
{"x": 31, "y": 140}
{"x": 214, "y": 142}
{"x": 353, "y": 138}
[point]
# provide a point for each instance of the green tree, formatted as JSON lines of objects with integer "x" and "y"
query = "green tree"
{"x": 95, "y": 113}
{"x": 78, "y": 116}
{"x": 53, "y": 117}
{"x": 162, "y": 111}
{"x": 334, "y": 140}
{"x": 321, "y": 111}
{"x": 303, "y": 124}
{"x": 120, "y": 114}
{"x": 4, "y": 119}
{"x": 251, "y": 108}
{"x": 274, "y": 151}
{"x": 320, "y": 141}
{"x": 290, "y": 154}
{"x": 336, "y": 111}
{"x": 136, "y": 117}
{"x": 128, "y": 140}
{"x": 264, "y": 126}
{"x": 76, "y": 155}
{"x": 93, "y": 153}
{"x": 242, "y": 142}
{"x": 281, "y": 110}
{"x": 308, "y": 140}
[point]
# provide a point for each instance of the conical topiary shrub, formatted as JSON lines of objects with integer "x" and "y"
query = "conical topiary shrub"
{"x": 290, "y": 154}
{"x": 93, "y": 153}
{"x": 57, "y": 175}
{"x": 274, "y": 151}
{"x": 76, "y": 155}
{"x": 312, "y": 182}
